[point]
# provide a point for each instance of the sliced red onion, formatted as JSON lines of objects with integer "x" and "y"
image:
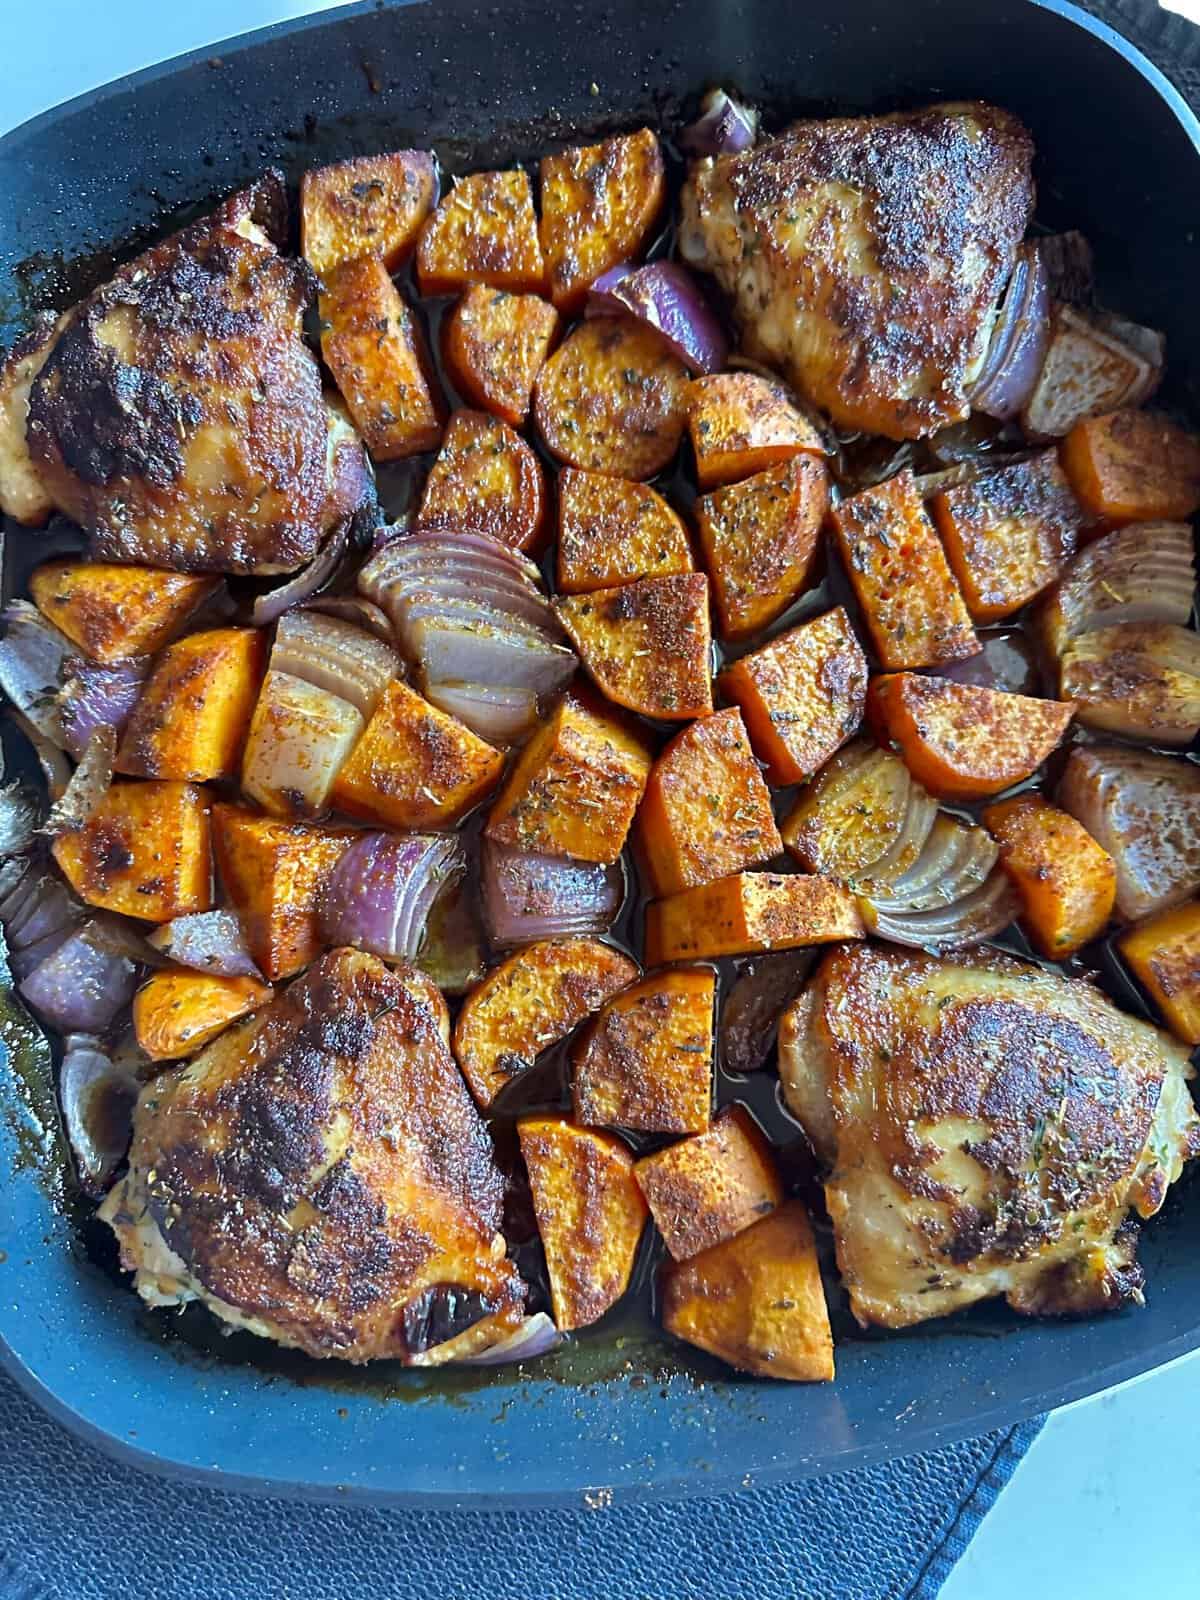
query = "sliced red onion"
{"x": 83, "y": 986}
{"x": 1019, "y": 341}
{"x": 20, "y": 810}
{"x": 459, "y": 564}
{"x": 380, "y": 893}
{"x": 669, "y": 299}
{"x": 89, "y": 784}
{"x": 527, "y": 897}
{"x": 724, "y": 127}
{"x": 18, "y": 879}
{"x": 45, "y": 907}
{"x": 501, "y": 716}
{"x": 97, "y": 1095}
{"x": 271, "y": 606}
{"x": 99, "y": 696}
{"x": 22, "y": 962}
{"x": 52, "y": 759}
{"x": 349, "y": 608}
{"x": 460, "y": 644}
{"x": 335, "y": 656}
{"x": 536, "y": 1336}
{"x": 206, "y": 941}
{"x": 32, "y": 653}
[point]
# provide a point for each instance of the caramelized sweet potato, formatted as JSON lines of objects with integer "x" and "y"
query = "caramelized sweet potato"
{"x": 647, "y": 645}
{"x": 612, "y": 399}
{"x": 590, "y": 1215}
{"x": 646, "y": 1061}
{"x": 1163, "y": 953}
{"x": 368, "y": 206}
{"x": 599, "y": 204}
{"x": 528, "y": 1003}
{"x": 191, "y": 718}
{"x": 575, "y": 787}
{"x": 415, "y": 767}
{"x": 612, "y": 531}
{"x": 963, "y": 742}
{"x": 486, "y": 479}
{"x": 494, "y": 344}
{"x": 376, "y": 352}
{"x": 756, "y": 1300}
{"x": 178, "y": 1010}
{"x": 300, "y": 738}
{"x": 484, "y": 231}
{"x": 706, "y": 812}
{"x": 1133, "y": 466}
{"x": 747, "y": 913}
{"x": 23, "y": 496}
{"x": 1066, "y": 882}
{"x": 707, "y": 1188}
{"x": 144, "y": 851}
{"x": 113, "y": 611}
{"x": 741, "y": 423}
{"x": 911, "y": 604}
{"x": 802, "y": 694}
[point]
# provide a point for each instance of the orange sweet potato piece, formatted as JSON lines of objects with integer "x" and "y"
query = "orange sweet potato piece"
{"x": 191, "y": 718}
{"x": 485, "y": 479}
{"x": 707, "y": 1188}
{"x": 1163, "y": 953}
{"x": 756, "y": 1300}
{"x": 646, "y": 1060}
{"x": 747, "y": 913}
{"x": 177, "y": 1010}
{"x": 1133, "y": 466}
{"x": 706, "y": 811}
{"x": 1066, "y": 882}
{"x": 113, "y": 611}
{"x": 647, "y": 645}
{"x": 590, "y": 1215}
{"x": 612, "y": 531}
{"x": 599, "y": 205}
{"x": 376, "y": 352}
{"x": 612, "y": 398}
{"x": 484, "y": 231}
{"x": 528, "y": 1003}
{"x": 912, "y": 606}
{"x": 802, "y": 694}
{"x": 741, "y": 423}
{"x": 368, "y": 206}
{"x": 962, "y": 742}
{"x": 144, "y": 851}
{"x": 494, "y": 344}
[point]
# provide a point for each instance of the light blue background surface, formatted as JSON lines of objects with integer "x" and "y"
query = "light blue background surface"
{"x": 1105, "y": 1503}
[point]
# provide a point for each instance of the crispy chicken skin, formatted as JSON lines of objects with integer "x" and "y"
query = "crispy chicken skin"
{"x": 320, "y": 1175}
{"x": 864, "y": 255}
{"x": 987, "y": 1127}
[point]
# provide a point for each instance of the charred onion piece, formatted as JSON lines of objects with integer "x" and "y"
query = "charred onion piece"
{"x": 752, "y": 1008}
{"x": 99, "y": 696}
{"x": 725, "y": 127}
{"x": 336, "y": 656}
{"x": 380, "y": 893}
{"x": 668, "y": 298}
{"x": 1019, "y": 340}
{"x": 97, "y": 1095}
{"x": 271, "y": 606}
{"x": 980, "y": 915}
{"x": 89, "y": 784}
{"x": 528, "y": 897}
{"x": 84, "y": 984}
{"x": 207, "y": 941}
{"x": 536, "y": 1336}
{"x": 32, "y": 653}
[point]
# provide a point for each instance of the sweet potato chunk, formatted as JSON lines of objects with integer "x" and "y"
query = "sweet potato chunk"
{"x": 741, "y": 423}
{"x": 1066, "y": 882}
{"x": 707, "y": 1188}
{"x": 376, "y": 352}
{"x": 911, "y": 604}
{"x": 706, "y": 812}
{"x": 759, "y": 538}
{"x": 528, "y": 1003}
{"x": 494, "y": 345}
{"x": 647, "y": 645}
{"x": 191, "y": 718}
{"x": 300, "y": 738}
{"x": 590, "y": 1215}
{"x": 802, "y": 695}
{"x": 415, "y": 767}
{"x": 144, "y": 851}
{"x": 612, "y": 398}
{"x": 756, "y": 1301}
{"x": 599, "y": 204}
{"x": 1133, "y": 466}
{"x": 486, "y": 479}
{"x": 1163, "y": 953}
{"x": 646, "y": 1061}
{"x": 747, "y": 913}
{"x": 574, "y": 788}
{"x": 484, "y": 231}
{"x": 113, "y": 611}
{"x": 612, "y": 531}
{"x": 962, "y": 742}
{"x": 1008, "y": 533}
{"x": 23, "y": 496}
{"x": 177, "y": 1010}
{"x": 368, "y": 206}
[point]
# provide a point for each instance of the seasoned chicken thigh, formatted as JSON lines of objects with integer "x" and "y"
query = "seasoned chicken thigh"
{"x": 319, "y": 1175}
{"x": 864, "y": 255}
{"x": 987, "y": 1127}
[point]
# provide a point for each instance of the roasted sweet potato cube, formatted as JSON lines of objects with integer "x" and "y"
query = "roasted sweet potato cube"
{"x": 113, "y": 611}
{"x": 647, "y": 645}
{"x": 486, "y": 479}
{"x": 1007, "y": 533}
{"x": 23, "y": 495}
{"x": 177, "y": 1010}
{"x": 300, "y": 738}
{"x": 1066, "y": 882}
{"x": 484, "y": 231}
{"x": 191, "y": 718}
{"x": 599, "y": 205}
{"x": 756, "y": 1301}
{"x": 711, "y": 1186}
{"x": 575, "y": 787}
{"x": 706, "y": 811}
{"x": 741, "y": 423}
{"x": 415, "y": 767}
{"x": 1133, "y": 466}
{"x": 646, "y": 1061}
{"x": 960, "y": 741}
{"x": 494, "y": 344}
{"x": 1163, "y": 953}
{"x": 368, "y": 206}
{"x": 612, "y": 531}
{"x": 749, "y": 912}
{"x": 528, "y": 1003}
{"x": 590, "y": 1215}
{"x": 802, "y": 694}
{"x": 913, "y": 608}
{"x": 376, "y": 351}
{"x": 144, "y": 851}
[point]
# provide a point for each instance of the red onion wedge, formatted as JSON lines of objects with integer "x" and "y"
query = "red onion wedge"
{"x": 349, "y": 608}
{"x": 84, "y": 985}
{"x": 271, "y": 606}
{"x": 669, "y": 299}
{"x": 89, "y": 784}
{"x": 1145, "y": 572}
{"x": 41, "y": 906}
{"x": 335, "y": 656}
{"x": 536, "y": 1336}
{"x": 51, "y": 757}
{"x": 19, "y": 813}
{"x": 97, "y": 696}
{"x": 97, "y": 1095}
{"x": 206, "y": 941}
{"x": 724, "y": 127}
{"x": 379, "y": 896}
{"x": 452, "y": 953}
{"x": 527, "y": 897}
{"x": 1020, "y": 337}
{"x": 752, "y": 1008}
{"x": 32, "y": 653}
{"x": 981, "y": 914}
{"x": 501, "y": 716}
